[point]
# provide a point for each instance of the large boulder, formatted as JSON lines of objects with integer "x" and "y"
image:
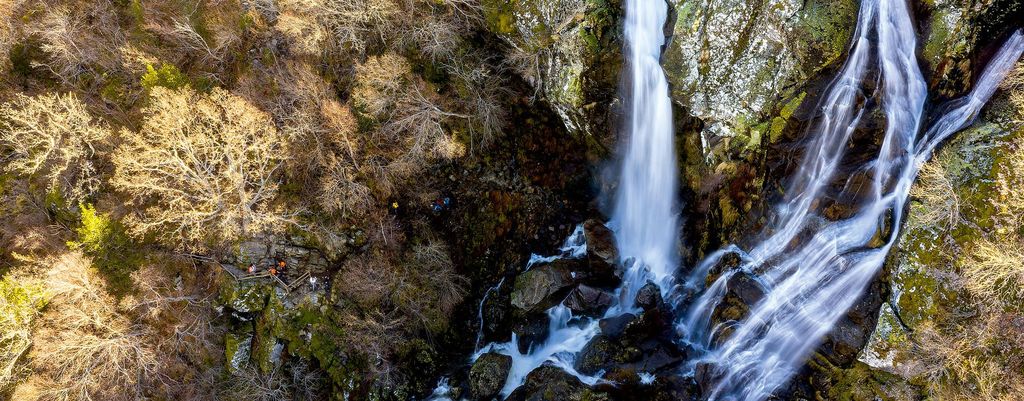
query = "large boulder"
{"x": 531, "y": 330}
{"x": 602, "y": 254}
{"x": 545, "y": 286}
{"x": 888, "y": 341}
{"x": 615, "y": 326}
{"x": 649, "y": 297}
{"x": 585, "y": 300}
{"x": 599, "y": 354}
{"x": 549, "y": 383}
{"x": 954, "y": 32}
{"x": 488, "y": 375}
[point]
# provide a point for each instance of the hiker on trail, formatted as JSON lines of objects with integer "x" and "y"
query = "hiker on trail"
{"x": 441, "y": 204}
{"x": 252, "y": 268}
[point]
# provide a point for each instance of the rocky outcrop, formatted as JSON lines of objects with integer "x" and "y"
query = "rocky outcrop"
{"x": 569, "y": 51}
{"x": 956, "y": 33}
{"x": 734, "y": 64}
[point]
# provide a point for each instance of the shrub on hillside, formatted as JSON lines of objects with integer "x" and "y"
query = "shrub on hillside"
{"x": 113, "y": 253}
{"x": 21, "y": 300}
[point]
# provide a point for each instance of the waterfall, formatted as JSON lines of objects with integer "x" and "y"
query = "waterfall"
{"x": 644, "y": 217}
{"x": 813, "y": 269}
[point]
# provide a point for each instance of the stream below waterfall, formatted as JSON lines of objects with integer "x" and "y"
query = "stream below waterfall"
{"x": 808, "y": 269}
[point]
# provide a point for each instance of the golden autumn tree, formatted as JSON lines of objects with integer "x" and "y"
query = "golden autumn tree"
{"x": 53, "y": 137}
{"x": 203, "y": 167}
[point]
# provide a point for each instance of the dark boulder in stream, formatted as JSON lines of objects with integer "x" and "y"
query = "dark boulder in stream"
{"x": 549, "y": 383}
{"x": 545, "y": 286}
{"x": 585, "y": 300}
{"x": 602, "y": 255}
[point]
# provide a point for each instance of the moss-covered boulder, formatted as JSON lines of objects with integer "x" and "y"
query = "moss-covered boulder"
{"x": 549, "y": 383}
{"x": 545, "y": 286}
{"x": 488, "y": 374}
{"x": 569, "y": 51}
{"x": 955, "y": 32}
{"x": 887, "y": 341}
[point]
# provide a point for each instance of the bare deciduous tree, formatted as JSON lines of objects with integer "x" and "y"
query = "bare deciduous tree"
{"x": 54, "y": 136}
{"x": 203, "y": 167}
{"x": 85, "y": 349}
{"x": 78, "y": 39}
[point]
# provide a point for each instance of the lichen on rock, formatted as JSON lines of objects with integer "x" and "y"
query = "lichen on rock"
{"x": 734, "y": 64}
{"x": 886, "y": 342}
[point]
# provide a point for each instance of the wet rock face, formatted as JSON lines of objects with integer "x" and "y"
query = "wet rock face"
{"x": 742, "y": 294}
{"x": 955, "y": 33}
{"x": 488, "y": 374}
{"x": 851, "y": 333}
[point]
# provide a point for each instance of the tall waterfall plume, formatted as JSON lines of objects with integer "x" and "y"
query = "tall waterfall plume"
{"x": 645, "y": 215}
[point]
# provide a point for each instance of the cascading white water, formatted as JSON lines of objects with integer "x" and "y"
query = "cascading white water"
{"x": 566, "y": 336}
{"x": 813, "y": 270}
{"x": 644, "y": 219}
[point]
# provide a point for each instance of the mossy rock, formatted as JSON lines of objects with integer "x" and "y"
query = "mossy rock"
{"x": 245, "y": 296}
{"x": 861, "y": 383}
{"x": 237, "y": 349}
{"x": 735, "y": 64}
{"x": 887, "y": 342}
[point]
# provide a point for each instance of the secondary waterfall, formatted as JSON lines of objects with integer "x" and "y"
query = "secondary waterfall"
{"x": 814, "y": 269}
